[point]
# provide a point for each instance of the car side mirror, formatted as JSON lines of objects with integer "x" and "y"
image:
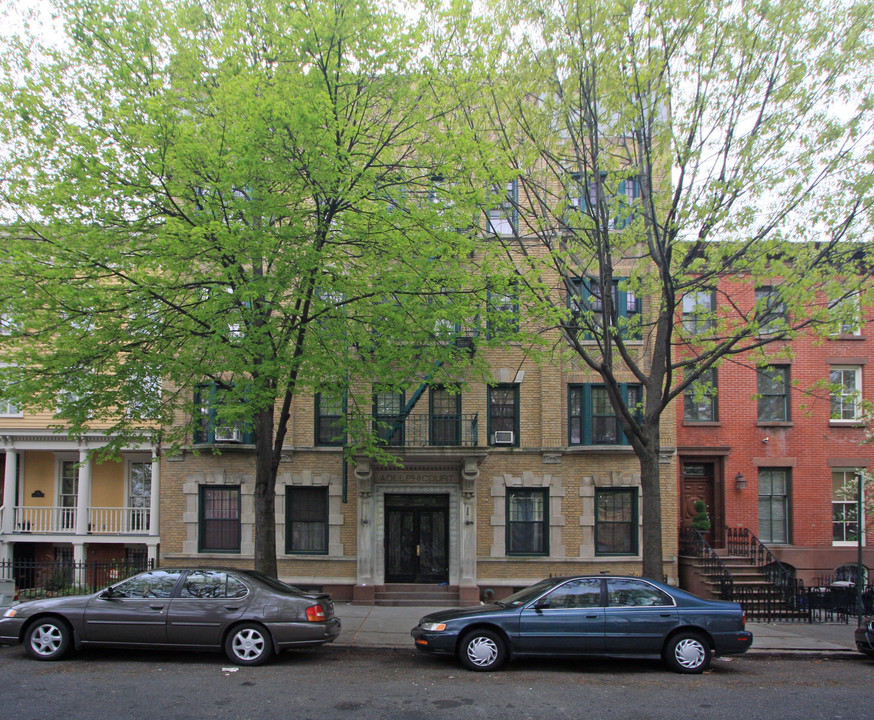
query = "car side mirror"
{"x": 106, "y": 594}
{"x": 543, "y": 604}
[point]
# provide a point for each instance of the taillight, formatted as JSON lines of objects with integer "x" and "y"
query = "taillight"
{"x": 743, "y": 620}
{"x": 316, "y": 613}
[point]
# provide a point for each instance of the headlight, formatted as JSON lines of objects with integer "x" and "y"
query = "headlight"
{"x": 433, "y": 627}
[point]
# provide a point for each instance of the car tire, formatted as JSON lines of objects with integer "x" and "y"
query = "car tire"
{"x": 249, "y": 644}
{"x": 48, "y": 639}
{"x": 482, "y": 650}
{"x": 688, "y": 652}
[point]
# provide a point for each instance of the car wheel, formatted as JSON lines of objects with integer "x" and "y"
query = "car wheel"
{"x": 687, "y": 652}
{"x": 48, "y": 639}
{"x": 482, "y": 650}
{"x": 249, "y": 644}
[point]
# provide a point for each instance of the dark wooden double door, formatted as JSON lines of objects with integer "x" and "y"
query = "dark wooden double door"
{"x": 416, "y": 538}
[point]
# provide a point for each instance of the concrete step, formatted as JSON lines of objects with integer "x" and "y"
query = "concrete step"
{"x": 416, "y": 595}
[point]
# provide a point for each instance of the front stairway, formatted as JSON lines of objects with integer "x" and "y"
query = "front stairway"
{"x": 744, "y": 572}
{"x": 417, "y": 595}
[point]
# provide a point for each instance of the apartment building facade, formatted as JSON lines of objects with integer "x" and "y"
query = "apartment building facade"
{"x": 496, "y": 487}
{"x": 776, "y": 439}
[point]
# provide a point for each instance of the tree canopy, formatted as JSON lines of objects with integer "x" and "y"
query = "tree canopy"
{"x": 246, "y": 195}
{"x": 663, "y": 149}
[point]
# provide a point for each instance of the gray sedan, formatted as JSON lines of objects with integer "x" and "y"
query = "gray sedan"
{"x": 249, "y": 615}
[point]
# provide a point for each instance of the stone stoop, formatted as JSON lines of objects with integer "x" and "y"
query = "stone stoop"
{"x": 417, "y": 595}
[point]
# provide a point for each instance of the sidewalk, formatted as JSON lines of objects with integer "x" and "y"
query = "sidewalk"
{"x": 367, "y": 626}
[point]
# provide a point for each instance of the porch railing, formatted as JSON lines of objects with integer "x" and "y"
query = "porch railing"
{"x": 101, "y": 520}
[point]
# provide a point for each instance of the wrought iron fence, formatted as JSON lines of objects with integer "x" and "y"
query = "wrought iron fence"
{"x": 55, "y": 578}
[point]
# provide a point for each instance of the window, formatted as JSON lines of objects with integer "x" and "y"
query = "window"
{"x": 636, "y": 593}
{"x": 773, "y": 391}
{"x": 219, "y": 518}
{"x": 154, "y": 584}
{"x": 212, "y": 585}
{"x": 774, "y": 505}
{"x": 504, "y": 415}
{"x": 502, "y": 313}
{"x": 211, "y": 425}
{"x": 330, "y": 415}
{"x": 846, "y": 393}
{"x": 848, "y": 315}
{"x": 618, "y": 199}
{"x": 144, "y": 395}
{"x": 7, "y": 407}
{"x": 586, "y": 302}
{"x": 526, "y": 522}
{"x": 139, "y": 495}
{"x": 445, "y": 415}
{"x": 770, "y": 310}
{"x": 68, "y": 494}
{"x": 700, "y": 399}
{"x": 591, "y": 418}
{"x": 583, "y": 593}
{"x": 388, "y": 410}
{"x": 699, "y": 309}
{"x": 503, "y": 217}
{"x": 306, "y": 520}
{"x": 845, "y": 507}
{"x": 616, "y": 521}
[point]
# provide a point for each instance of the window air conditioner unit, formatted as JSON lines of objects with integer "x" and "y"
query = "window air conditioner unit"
{"x": 228, "y": 434}
{"x": 504, "y": 437}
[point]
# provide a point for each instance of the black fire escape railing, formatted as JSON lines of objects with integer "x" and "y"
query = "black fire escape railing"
{"x": 693, "y": 542}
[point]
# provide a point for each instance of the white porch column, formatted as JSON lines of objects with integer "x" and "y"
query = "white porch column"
{"x": 154, "y": 498}
{"x": 7, "y": 521}
{"x": 83, "y": 497}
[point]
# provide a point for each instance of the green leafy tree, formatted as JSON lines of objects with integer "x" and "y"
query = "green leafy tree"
{"x": 245, "y": 195}
{"x": 663, "y": 150}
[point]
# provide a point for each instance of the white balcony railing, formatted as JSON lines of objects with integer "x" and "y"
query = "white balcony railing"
{"x": 101, "y": 521}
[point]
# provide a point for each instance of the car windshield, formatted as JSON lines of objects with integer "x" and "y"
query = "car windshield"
{"x": 273, "y": 583}
{"x": 522, "y": 597}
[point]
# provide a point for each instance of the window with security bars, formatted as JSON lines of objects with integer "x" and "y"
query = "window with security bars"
{"x": 306, "y": 520}
{"x": 774, "y": 505}
{"x": 526, "y": 522}
{"x": 616, "y": 521}
{"x": 219, "y": 519}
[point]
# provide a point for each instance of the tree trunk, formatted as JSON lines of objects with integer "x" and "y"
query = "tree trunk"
{"x": 650, "y": 481}
{"x": 265, "y": 494}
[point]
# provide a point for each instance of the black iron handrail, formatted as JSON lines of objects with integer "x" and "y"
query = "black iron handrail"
{"x": 743, "y": 543}
{"x": 693, "y": 542}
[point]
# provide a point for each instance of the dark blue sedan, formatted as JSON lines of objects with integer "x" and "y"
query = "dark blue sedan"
{"x": 601, "y": 615}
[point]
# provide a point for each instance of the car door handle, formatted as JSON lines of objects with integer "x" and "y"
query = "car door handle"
{"x": 232, "y": 607}
{"x": 666, "y": 614}
{"x": 592, "y": 617}
{"x": 156, "y": 607}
